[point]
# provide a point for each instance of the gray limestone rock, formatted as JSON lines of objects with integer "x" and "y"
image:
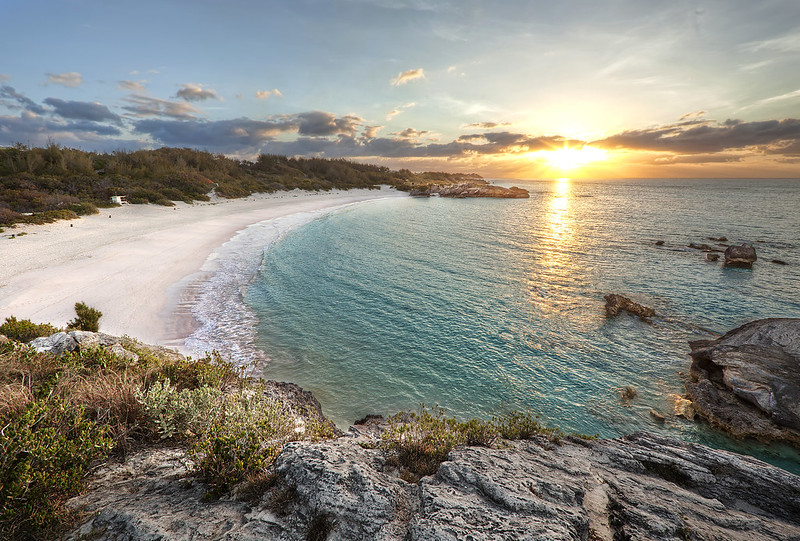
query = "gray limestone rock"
{"x": 55, "y": 343}
{"x": 748, "y": 380}
{"x": 639, "y": 487}
{"x": 82, "y": 340}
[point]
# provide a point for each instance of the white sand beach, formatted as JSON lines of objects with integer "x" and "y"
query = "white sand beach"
{"x": 131, "y": 262}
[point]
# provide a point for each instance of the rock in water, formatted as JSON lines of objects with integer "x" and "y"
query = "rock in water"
{"x": 748, "y": 380}
{"x": 615, "y": 303}
{"x": 740, "y": 256}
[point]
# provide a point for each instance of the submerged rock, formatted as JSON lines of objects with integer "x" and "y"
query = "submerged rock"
{"x": 748, "y": 381}
{"x": 642, "y": 486}
{"x": 743, "y": 256}
{"x": 616, "y": 303}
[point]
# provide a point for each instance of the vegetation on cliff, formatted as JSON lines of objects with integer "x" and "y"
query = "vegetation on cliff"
{"x": 59, "y": 413}
{"x": 38, "y": 185}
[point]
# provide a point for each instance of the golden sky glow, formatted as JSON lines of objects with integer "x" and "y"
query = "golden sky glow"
{"x": 570, "y": 158}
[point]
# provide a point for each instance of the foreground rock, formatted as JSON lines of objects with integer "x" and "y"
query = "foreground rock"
{"x": 639, "y": 487}
{"x": 748, "y": 381}
{"x": 619, "y": 303}
{"x": 62, "y": 342}
{"x": 740, "y": 256}
{"x": 478, "y": 188}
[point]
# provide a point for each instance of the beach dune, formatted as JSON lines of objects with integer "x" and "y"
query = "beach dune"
{"x": 134, "y": 262}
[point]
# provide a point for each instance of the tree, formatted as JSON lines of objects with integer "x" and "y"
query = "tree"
{"x": 88, "y": 318}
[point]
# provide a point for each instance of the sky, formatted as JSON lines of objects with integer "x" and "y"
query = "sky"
{"x": 506, "y": 88}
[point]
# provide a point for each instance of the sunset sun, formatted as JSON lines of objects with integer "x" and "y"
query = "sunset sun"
{"x": 569, "y": 158}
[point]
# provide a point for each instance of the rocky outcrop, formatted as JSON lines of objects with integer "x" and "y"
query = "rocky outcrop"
{"x": 748, "y": 381}
{"x": 82, "y": 340}
{"x": 619, "y": 303}
{"x": 639, "y": 487}
{"x": 743, "y": 256}
{"x": 471, "y": 189}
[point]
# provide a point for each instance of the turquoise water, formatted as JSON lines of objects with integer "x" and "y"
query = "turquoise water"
{"x": 485, "y": 305}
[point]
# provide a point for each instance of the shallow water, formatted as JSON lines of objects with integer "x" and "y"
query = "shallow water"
{"x": 485, "y": 305}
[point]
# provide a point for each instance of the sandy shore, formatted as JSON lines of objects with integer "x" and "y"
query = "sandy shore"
{"x": 135, "y": 263}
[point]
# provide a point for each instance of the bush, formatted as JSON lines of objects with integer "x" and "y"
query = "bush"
{"x": 25, "y": 330}
{"x": 84, "y": 208}
{"x": 44, "y": 454}
{"x": 418, "y": 443}
{"x": 87, "y": 318}
{"x": 235, "y": 435}
{"x": 211, "y": 370}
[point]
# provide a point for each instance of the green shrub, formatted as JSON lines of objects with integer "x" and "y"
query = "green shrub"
{"x": 211, "y": 370}
{"x": 87, "y": 318}
{"x": 84, "y": 208}
{"x": 183, "y": 413}
{"x": 44, "y": 454}
{"x": 418, "y": 443}
{"x": 232, "y": 452}
{"x": 24, "y": 330}
{"x": 521, "y": 426}
{"x": 234, "y": 435}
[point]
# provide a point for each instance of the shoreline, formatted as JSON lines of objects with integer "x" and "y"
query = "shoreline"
{"x": 141, "y": 265}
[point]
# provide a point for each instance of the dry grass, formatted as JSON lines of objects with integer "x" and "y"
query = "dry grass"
{"x": 110, "y": 399}
{"x": 19, "y": 365}
{"x": 14, "y": 397}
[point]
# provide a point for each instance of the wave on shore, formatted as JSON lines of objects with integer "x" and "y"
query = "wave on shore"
{"x": 222, "y": 320}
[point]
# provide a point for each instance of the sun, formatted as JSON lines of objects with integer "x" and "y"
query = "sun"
{"x": 568, "y": 158}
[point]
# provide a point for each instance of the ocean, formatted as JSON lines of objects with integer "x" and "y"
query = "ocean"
{"x": 483, "y": 306}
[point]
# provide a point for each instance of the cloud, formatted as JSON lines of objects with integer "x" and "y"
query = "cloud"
{"x": 36, "y": 130}
{"x": 136, "y": 86}
{"x": 4, "y": 77}
{"x": 789, "y": 43}
{"x": 82, "y": 110}
{"x": 243, "y": 135}
{"x": 70, "y": 79}
{"x": 193, "y": 92}
{"x": 706, "y": 136}
{"x": 695, "y": 115}
{"x": 409, "y": 144}
{"x": 9, "y": 93}
{"x": 370, "y": 132}
{"x": 394, "y": 112}
{"x": 145, "y": 106}
{"x": 408, "y": 75}
{"x": 411, "y": 133}
{"x": 224, "y": 135}
{"x": 264, "y": 94}
{"x": 319, "y": 123}
{"x": 782, "y": 97}
{"x": 487, "y": 125}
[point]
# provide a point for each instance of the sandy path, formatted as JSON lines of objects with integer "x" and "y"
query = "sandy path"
{"x": 125, "y": 264}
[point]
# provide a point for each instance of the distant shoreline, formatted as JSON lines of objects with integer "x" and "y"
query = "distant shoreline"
{"x": 138, "y": 264}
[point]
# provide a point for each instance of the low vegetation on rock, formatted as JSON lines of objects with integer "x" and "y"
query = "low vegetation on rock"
{"x": 59, "y": 413}
{"x": 417, "y": 442}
